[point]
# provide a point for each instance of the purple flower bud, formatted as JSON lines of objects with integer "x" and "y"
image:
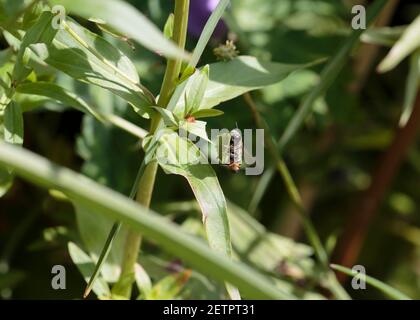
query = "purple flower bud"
{"x": 200, "y": 11}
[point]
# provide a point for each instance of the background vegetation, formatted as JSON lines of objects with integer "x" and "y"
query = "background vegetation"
{"x": 354, "y": 158}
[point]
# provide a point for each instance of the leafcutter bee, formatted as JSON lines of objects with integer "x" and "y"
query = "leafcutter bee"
{"x": 230, "y": 149}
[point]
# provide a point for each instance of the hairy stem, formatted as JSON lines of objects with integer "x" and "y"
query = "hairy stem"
{"x": 146, "y": 185}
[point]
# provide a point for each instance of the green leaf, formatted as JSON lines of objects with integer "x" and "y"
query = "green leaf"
{"x": 103, "y": 201}
{"x": 98, "y": 63}
{"x": 207, "y": 113}
{"x": 127, "y": 20}
{"x": 65, "y": 97}
{"x": 196, "y": 90}
{"x": 169, "y": 287}
{"x": 57, "y": 93}
{"x": 231, "y": 79}
{"x": 409, "y": 42}
{"x": 168, "y": 29}
{"x": 143, "y": 282}
{"x": 85, "y": 265}
{"x": 13, "y": 124}
{"x": 168, "y": 117}
{"x": 386, "y": 289}
{"x": 197, "y": 128}
{"x": 41, "y": 32}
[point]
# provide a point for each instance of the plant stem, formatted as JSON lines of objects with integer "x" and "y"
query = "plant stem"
{"x": 146, "y": 185}
{"x": 173, "y": 68}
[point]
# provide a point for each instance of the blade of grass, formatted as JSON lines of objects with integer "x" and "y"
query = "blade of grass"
{"x": 112, "y": 204}
{"x": 386, "y": 289}
{"x": 111, "y": 237}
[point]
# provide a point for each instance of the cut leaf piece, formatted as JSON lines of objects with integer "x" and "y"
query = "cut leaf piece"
{"x": 65, "y": 97}
{"x": 57, "y": 93}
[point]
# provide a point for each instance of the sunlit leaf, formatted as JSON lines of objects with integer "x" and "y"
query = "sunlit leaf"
{"x": 98, "y": 63}
{"x": 127, "y": 20}
{"x": 168, "y": 29}
{"x": 67, "y": 98}
{"x": 41, "y": 32}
